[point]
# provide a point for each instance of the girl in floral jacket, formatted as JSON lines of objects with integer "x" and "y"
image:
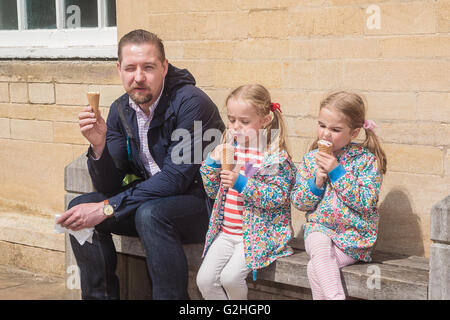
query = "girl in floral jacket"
{"x": 340, "y": 192}
{"x": 250, "y": 225}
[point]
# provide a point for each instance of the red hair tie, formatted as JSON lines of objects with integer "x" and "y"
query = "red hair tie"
{"x": 275, "y": 106}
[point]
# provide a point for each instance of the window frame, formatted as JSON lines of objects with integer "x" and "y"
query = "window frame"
{"x": 100, "y": 42}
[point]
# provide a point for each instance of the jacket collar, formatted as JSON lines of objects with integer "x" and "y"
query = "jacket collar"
{"x": 352, "y": 150}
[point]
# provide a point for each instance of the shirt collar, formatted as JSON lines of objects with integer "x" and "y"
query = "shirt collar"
{"x": 152, "y": 108}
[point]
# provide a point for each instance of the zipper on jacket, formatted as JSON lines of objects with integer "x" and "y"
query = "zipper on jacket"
{"x": 254, "y": 271}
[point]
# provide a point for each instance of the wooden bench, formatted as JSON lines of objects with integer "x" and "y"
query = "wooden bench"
{"x": 389, "y": 276}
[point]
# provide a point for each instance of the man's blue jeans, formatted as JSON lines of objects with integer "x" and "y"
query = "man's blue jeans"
{"x": 163, "y": 225}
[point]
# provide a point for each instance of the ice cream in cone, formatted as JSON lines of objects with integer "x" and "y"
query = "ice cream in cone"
{"x": 228, "y": 157}
{"x": 94, "y": 98}
{"x": 325, "y": 146}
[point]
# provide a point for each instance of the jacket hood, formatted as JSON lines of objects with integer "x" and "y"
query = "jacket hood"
{"x": 178, "y": 77}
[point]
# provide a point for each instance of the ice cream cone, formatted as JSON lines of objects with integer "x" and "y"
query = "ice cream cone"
{"x": 325, "y": 146}
{"x": 94, "y": 98}
{"x": 228, "y": 157}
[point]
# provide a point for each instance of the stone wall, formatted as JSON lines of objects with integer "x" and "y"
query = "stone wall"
{"x": 300, "y": 50}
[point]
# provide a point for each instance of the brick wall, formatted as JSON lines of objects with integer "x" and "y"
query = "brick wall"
{"x": 300, "y": 50}
{"x": 39, "y": 133}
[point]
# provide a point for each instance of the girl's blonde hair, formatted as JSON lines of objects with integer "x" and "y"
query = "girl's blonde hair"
{"x": 259, "y": 97}
{"x": 353, "y": 108}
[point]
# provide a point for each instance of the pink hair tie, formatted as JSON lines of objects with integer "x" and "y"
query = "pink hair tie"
{"x": 370, "y": 125}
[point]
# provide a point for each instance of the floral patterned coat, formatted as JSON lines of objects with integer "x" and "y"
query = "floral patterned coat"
{"x": 346, "y": 210}
{"x": 266, "y": 219}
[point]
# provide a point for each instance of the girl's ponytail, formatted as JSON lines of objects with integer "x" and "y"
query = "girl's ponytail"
{"x": 277, "y": 125}
{"x": 372, "y": 143}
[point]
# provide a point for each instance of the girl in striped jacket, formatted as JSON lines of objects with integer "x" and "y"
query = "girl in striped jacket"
{"x": 339, "y": 190}
{"x": 250, "y": 224}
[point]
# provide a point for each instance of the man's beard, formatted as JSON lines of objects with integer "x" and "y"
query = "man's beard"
{"x": 140, "y": 99}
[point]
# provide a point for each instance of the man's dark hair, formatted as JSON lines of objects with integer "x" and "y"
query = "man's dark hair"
{"x": 140, "y": 36}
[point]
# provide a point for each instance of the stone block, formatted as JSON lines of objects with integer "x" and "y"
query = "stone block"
{"x": 41, "y": 93}
{"x": 414, "y": 159}
{"x": 199, "y": 25}
{"x": 7, "y": 250}
{"x": 5, "y": 131}
{"x": 440, "y": 222}
{"x": 427, "y": 46}
{"x": 35, "y": 173}
{"x": 202, "y": 73}
{"x": 338, "y": 21}
{"x": 443, "y": 12}
{"x": 41, "y": 131}
{"x": 230, "y": 74}
{"x": 433, "y": 106}
{"x": 395, "y": 282}
{"x": 348, "y": 2}
{"x": 76, "y": 177}
{"x": 399, "y": 75}
{"x": 319, "y": 49}
{"x": 188, "y": 6}
{"x": 261, "y": 49}
{"x": 326, "y": 21}
{"x": 4, "y": 110}
{"x": 19, "y": 92}
{"x": 268, "y": 23}
{"x": 20, "y": 111}
{"x": 40, "y": 260}
{"x": 71, "y": 94}
{"x": 391, "y": 106}
{"x": 298, "y": 147}
{"x": 417, "y": 17}
{"x": 301, "y": 23}
{"x": 208, "y": 50}
{"x": 294, "y": 103}
{"x": 30, "y": 230}
{"x": 55, "y": 113}
{"x": 32, "y": 259}
{"x": 423, "y": 133}
{"x": 68, "y": 132}
{"x": 447, "y": 163}
{"x": 315, "y": 75}
{"x": 4, "y": 92}
{"x": 439, "y": 283}
{"x": 301, "y": 127}
{"x": 264, "y": 4}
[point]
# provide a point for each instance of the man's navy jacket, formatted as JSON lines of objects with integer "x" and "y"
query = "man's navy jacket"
{"x": 180, "y": 105}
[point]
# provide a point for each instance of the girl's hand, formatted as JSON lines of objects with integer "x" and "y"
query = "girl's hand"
{"x": 228, "y": 178}
{"x": 321, "y": 177}
{"x": 325, "y": 161}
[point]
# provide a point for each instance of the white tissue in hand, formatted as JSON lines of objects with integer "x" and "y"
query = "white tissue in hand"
{"x": 82, "y": 235}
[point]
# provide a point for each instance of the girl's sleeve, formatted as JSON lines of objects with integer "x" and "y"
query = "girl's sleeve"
{"x": 271, "y": 193}
{"x": 358, "y": 191}
{"x": 305, "y": 195}
{"x": 210, "y": 170}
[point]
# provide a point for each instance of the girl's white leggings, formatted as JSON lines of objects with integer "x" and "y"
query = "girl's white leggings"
{"x": 223, "y": 272}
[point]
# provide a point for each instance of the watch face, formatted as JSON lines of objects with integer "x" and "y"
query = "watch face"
{"x": 108, "y": 210}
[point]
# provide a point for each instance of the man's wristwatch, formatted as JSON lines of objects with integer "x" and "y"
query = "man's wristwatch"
{"x": 108, "y": 210}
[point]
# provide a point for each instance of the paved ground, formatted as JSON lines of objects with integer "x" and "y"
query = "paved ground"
{"x": 16, "y": 284}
